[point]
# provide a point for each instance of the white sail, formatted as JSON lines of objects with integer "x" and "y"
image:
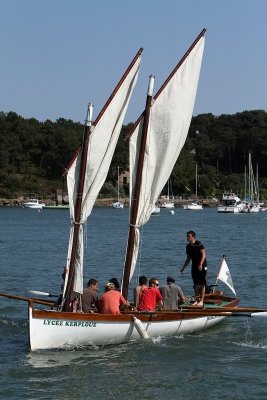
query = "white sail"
{"x": 102, "y": 143}
{"x": 169, "y": 122}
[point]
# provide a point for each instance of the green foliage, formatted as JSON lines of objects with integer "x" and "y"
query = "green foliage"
{"x": 34, "y": 155}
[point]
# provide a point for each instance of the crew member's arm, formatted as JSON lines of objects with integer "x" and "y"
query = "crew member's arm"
{"x": 160, "y": 304}
{"x": 203, "y": 256}
{"x": 187, "y": 261}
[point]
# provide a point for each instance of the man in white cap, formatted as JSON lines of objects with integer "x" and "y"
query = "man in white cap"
{"x": 111, "y": 300}
{"x": 172, "y": 294}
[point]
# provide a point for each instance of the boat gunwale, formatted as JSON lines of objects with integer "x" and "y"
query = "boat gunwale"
{"x": 127, "y": 315}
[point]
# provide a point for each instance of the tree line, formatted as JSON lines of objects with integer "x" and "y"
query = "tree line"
{"x": 34, "y": 154}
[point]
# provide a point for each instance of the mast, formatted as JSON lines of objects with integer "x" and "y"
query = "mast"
{"x": 245, "y": 197}
{"x": 78, "y": 204}
{"x": 202, "y": 33}
{"x": 118, "y": 184}
{"x": 196, "y": 180}
{"x": 136, "y": 196}
{"x": 257, "y": 184}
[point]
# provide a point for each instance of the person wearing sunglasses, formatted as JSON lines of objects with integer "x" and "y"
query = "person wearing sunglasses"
{"x": 150, "y": 297}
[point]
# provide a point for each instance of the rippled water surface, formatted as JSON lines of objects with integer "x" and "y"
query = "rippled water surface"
{"x": 225, "y": 362}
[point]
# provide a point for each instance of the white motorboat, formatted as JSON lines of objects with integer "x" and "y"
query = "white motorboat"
{"x": 230, "y": 203}
{"x": 33, "y": 203}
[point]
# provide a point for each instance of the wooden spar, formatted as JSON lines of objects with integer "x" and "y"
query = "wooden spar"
{"x": 78, "y": 203}
{"x": 79, "y": 195}
{"x": 222, "y": 309}
{"x": 29, "y": 299}
{"x": 108, "y": 101}
{"x": 136, "y": 197}
{"x": 180, "y": 63}
{"x": 202, "y": 33}
{"x": 118, "y": 86}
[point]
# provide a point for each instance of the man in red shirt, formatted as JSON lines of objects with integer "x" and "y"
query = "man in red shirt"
{"x": 111, "y": 300}
{"x": 150, "y": 297}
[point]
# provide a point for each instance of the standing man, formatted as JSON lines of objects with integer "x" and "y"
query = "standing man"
{"x": 197, "y": 254}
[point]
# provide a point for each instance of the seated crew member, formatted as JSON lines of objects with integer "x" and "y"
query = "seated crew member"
{"x": 111, "y": 301}
{"x": 139, "y": 289}
{"x": 116, "y": 283}
{"x": 89, "y": 296}
{"x": 172, "y": 294}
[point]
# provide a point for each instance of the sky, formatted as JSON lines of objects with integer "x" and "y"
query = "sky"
{"x": 59, "y": 55}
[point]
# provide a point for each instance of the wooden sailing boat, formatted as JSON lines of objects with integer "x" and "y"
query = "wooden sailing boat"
{"x": 49, "y": 328}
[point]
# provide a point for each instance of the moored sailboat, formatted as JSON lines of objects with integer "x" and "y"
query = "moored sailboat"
{"x": 118, "y": 204}
{"x": 251, "y": 204}
{"x": 195, "y": 205}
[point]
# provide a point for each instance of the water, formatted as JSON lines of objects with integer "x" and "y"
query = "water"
{"x": 226, "y": 362}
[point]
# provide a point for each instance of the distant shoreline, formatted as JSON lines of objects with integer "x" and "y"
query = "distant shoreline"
{"x": 106, "y": 202}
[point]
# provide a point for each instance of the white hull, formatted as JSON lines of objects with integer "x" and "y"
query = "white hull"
{"x": 230, "y": 203}
{"x": 167, "y": 205}
{"x": 251, "y": 209}
{"x": 117, "y": 205}
{"x": 34, "y": 203}
{"x": 193, "y": 206}
{"x": 156, "y": 210}
{"x": 230, "y": 209}
{"x": 49, "y": 331}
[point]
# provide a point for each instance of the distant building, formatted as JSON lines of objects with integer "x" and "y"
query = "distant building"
{"x": 124, "y": 178}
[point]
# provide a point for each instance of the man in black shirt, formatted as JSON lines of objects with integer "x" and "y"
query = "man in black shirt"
{"x": 197, "y": 254}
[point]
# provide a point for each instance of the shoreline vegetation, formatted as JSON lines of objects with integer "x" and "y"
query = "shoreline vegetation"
{"x": 107, "y": 202}
{"x": 34, "y": 155}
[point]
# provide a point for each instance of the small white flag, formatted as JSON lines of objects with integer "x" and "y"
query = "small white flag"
{"x": 225, "y": 276}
